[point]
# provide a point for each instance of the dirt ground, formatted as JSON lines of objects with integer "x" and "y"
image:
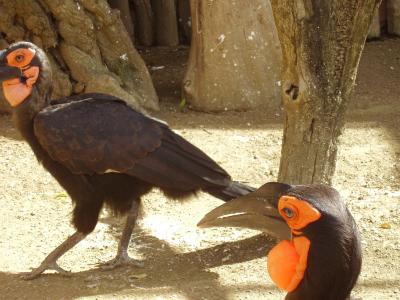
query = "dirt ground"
{"x": 182, "y": 261}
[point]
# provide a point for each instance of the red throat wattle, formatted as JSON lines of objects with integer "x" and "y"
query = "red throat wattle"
{"x": 287, "y": 261}
{"x": 16, "y": 91}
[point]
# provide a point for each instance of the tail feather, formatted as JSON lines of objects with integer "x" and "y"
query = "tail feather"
{"x": 233, "y": 190}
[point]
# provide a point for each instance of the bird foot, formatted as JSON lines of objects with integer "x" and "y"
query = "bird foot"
{"x": 43, "y": 267}
{"x": 121, "y": 260}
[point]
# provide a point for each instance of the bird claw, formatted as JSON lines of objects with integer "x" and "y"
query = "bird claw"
{"x": 121, "y": 260}
{"x": 39, "y": 270}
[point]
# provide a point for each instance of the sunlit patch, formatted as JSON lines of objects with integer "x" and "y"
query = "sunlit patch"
{"x": 99, "y": 239}
{"x": 378, "y": 153}
{"x": 111, "y": 171}
{"x": 241, "y": 138}
{"x": 171, "y": 231}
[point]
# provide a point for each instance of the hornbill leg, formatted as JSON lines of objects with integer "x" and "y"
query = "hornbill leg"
{"x": 122, "y": 257}
{"x": 50, "y": 262}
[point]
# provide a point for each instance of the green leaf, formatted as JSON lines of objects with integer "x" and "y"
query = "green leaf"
{"x": 61, "y": 195}
{"x": 182, "y": 104}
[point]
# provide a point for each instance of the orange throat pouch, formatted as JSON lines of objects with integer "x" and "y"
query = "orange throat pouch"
{"x": 287, "y": 262}
{"x": 16, "y": 91}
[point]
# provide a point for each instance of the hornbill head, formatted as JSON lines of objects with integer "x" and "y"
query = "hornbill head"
{"x": 322, "y": 259}
{"x": 25, "y": 73}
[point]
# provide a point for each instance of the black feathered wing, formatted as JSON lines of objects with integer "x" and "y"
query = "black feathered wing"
{"x": 99, "y": 134}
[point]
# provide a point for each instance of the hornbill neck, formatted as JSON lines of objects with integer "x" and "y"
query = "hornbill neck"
{"x": 24, "y": 115}
{"x": 332, "y": 268}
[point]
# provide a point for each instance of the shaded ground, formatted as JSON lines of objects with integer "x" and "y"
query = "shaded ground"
{"x": 183, "y": 262}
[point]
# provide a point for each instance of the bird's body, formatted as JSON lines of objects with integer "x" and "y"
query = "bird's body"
{"x": 321, "y": 258}
{"x": 102, "y": 151}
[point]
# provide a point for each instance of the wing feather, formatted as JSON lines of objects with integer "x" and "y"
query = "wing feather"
{"x": 96, "y": 133}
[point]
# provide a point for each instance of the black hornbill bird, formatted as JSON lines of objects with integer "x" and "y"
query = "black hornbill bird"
{"x": 101, "y": 151}
{"x": 322, "y": 258}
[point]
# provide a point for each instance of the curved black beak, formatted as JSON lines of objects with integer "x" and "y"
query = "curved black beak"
{"x": 257, "y": 210}
{"x": 7, "y": 72}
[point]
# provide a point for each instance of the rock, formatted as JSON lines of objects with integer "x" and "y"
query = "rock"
{"x": 385, "y": 226}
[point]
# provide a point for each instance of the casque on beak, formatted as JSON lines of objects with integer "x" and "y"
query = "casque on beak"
{"x": 257, "y": 210}
{"x": 8, "y": 72}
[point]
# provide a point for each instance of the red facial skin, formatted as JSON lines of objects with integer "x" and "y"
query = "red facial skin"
{"x": 287, "y": 261}
{"x": 14, "y": 90}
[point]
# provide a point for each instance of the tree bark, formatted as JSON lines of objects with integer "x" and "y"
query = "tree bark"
{"x": 234, "y": 60}
{"x": 321, "y": 44}
{"x": 375, "y": 28}
{"x": 88, "y": 46}
{"x": 144, "y": 22}
{"x": 125, "y": 11}
{"x": 166, "y": 27}
{"x": 393, "y": 16}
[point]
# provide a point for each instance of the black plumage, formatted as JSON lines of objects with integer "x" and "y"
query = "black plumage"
{"x": 100, "y": 139}
{"x": 334, "y": 259}
{"x": 102, "y": 151}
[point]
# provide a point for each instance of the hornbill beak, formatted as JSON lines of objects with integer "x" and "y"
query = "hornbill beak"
{"x": 8, "y": 72}
{"x": 257, "y": 210}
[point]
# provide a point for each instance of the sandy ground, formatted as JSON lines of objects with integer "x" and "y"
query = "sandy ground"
{"x": 181, "y": 261}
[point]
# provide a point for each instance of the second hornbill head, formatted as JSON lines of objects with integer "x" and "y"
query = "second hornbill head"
{"x": 322, "y": 259}
{"x": 25, "y": 74}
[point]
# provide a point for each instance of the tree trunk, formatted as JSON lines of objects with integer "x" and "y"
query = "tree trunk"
{"x": 144, "y": 22}
{"x": 375, "y": 28}
{"x": 125, "y": 11}
{"x": 234, "y": 60}
{"x": 166, "y": 27}
{"x": 393, "y": 16}
{"x": 88, "y": 46}
{"x": 184, "y": 21}
{"x": 321, "y": 44}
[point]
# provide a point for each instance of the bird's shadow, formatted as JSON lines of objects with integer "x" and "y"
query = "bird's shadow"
{"x": 167, "y": 271}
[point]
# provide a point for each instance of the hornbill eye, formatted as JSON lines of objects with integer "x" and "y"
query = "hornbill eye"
{"x": 289, "y": 213}
{"x": 19, "y": 58}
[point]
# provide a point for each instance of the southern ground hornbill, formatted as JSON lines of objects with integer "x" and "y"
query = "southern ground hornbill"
{"x": 322, "y": 258}
{"x": 101, "y": 151}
